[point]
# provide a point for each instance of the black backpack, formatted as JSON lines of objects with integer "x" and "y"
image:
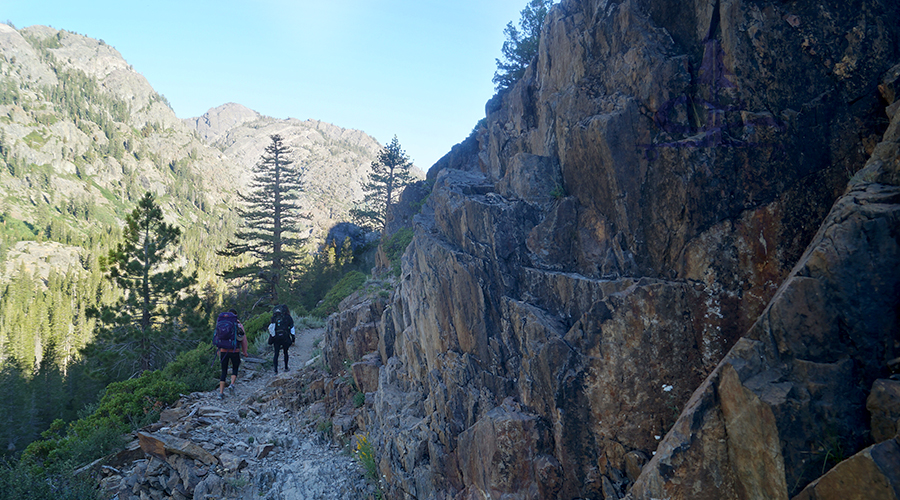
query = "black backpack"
{"x": 226, "y": 331}
{"x": 282, "y": 326}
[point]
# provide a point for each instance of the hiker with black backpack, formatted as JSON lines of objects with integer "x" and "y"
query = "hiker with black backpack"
{"x": 231, "y": 341}
{"x": 281, "y": 333}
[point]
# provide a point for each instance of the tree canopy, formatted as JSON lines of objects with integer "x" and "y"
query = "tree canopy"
{"x": 521, "y": 44}
{"x": 143, "y": 329}
{"x": 272, "y": 217}
{"x": 390, "y": 173}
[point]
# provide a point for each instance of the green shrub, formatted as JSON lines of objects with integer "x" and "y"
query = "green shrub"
{"x": 395, "y": 246}
{"x": 359, "y": 399}
{"x": 306, "y": 322}
{"x": 256, "y": 326}
{"x": 197, "y": 368}
{"x": 259, "y": 345}
{"x": 324, "y": 428}
{"x": 340, "y": 291}
{"x": 558, "y": 192}
{"x": 125, "y": 406}
{"x": 365, "y": 454}
{"x": 35, "y": 140}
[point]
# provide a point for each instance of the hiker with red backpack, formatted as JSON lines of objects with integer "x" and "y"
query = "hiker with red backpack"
{"x": 231, "y": 341}
{"x": 281, "y": 333}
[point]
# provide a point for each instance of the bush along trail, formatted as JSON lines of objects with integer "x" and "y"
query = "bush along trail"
{"x": 260, "y": 441}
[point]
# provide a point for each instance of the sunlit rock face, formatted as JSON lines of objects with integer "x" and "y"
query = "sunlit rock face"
{"x": 627, "y": 286}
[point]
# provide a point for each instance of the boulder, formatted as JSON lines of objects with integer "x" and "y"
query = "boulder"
{"x": 871, "y": 474}
{"x": 161, "y": 445}
{"x": 365, "y": 372}
{"x": 507, "y": 453}
{"x": 232, "y": 462}
{"x": 352, "y": 332}
{"x": 171, "y": 415}
{"x": 344, "y": 425}
{"x": 263, "y": 450}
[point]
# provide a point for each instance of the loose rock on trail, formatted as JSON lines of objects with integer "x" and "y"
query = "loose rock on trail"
{"x": 248, "y": 445}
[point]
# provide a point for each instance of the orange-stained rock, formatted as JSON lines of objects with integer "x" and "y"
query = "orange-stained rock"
{"x": 161, "y": 445}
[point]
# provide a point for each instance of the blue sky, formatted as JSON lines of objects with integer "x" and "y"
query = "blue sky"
{"x": 420, "y": 70}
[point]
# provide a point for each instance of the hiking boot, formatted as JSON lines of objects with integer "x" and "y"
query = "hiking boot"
{"x": 276, "y": 370}
{"x": 231, "y": 389}
{"x": 221, "y": 395}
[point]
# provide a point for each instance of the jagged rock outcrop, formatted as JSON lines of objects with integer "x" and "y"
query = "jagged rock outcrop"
{"x": 872, "y": 474}
{"x": 793, "y": 391}
{"x": 353, "y": 332}
{"x": 631, "y": 267}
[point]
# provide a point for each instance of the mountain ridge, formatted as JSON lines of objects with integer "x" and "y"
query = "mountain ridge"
{"x": 81, "y": 131}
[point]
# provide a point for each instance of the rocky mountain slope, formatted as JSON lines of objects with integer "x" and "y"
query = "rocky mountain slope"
{"x": 82, "y": 134}
{"x": 336, "y": 160}
{"x": 647, "y": 274}
{"x": 74, "y": 106}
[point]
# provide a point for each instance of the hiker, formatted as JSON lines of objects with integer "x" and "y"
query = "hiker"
{"x": 231, "y": 341}
{"x": 281, "y": 333}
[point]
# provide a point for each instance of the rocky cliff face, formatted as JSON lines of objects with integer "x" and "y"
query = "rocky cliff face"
{"x": 632, "y": 268}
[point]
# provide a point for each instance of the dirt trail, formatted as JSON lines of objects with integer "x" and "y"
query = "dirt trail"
{"x": 256, "y": 371}
{"x": 300, "y": 466}
{"x": 305, "y": 344}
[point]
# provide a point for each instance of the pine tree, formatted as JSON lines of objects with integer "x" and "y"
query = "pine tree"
{"x": 521, "y": 44}
{"x": 390, "y": 173}
{"x": 271, "y": 222}
{"x": 145, "y": 328}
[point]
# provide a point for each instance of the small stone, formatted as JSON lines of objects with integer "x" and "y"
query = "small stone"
{"x": 232, "y": 462}
{"x": 634, "y": 462}
{"x": 111, "y": 483}
{"x": 262, "y": 451}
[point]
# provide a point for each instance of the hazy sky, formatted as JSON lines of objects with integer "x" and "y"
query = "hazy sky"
{"x": 418, "y": 69}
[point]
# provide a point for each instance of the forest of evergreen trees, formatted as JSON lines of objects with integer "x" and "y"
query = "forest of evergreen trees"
{"x": 44, "y": 321}
{"x": 64, "y": 403}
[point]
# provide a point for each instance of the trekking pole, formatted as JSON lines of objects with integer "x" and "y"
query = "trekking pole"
{"x": 212, "y": 359}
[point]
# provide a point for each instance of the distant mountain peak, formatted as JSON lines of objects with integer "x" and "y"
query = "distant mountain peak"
{"x": 216, "y": 122}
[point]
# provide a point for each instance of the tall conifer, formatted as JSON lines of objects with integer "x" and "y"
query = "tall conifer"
{"x": 390, "y": 174}
{"x": 143, "y": 330}
{"x": 271, "y": 213}
{"x": 521, "y": 43}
